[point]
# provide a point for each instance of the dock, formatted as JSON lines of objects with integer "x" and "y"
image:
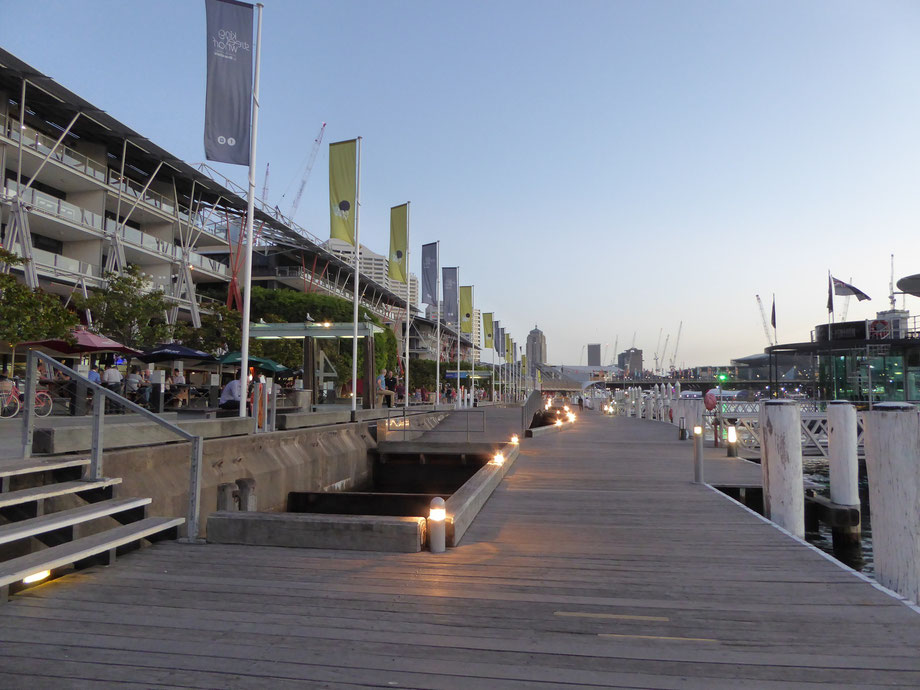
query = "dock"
{"x": 596, "y": 563}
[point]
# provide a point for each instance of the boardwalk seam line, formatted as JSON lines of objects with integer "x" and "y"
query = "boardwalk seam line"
{"x": 843, "y": 566}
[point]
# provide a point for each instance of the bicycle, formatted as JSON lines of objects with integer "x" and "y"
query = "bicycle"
{"x": 11, "y": 401}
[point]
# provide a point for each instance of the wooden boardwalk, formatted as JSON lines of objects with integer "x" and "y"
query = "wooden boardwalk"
{"x": 595, "y": 564}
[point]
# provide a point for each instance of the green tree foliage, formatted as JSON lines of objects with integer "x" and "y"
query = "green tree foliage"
{"x": 219, "y": 332}
{"x": 29, "y": 314}
{"x": 128, "y": 310}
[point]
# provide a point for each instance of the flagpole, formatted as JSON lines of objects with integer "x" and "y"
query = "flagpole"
{"x": 459, "y": 401}
{"x": 408, "y": 290}
{"x": 354, "y": 337}
{"x": 250, "y": 206}
{"x": 437, "y": 289}
{"x": 472, "y": 344}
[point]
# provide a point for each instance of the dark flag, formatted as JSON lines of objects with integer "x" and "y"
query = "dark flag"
{"x": 773, "y": 314}
{"x": 430, "y": 273}
{"x": 830, "y": 294}
{"x": 845, "y": 289}
{"x": 228, "y": 101}
{"x": 449, "y": 288}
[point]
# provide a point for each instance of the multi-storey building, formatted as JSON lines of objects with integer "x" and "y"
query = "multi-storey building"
{"x": 376, "y": 267}
{"x": 82, "y": 194}
{"x": 535, "y": 350}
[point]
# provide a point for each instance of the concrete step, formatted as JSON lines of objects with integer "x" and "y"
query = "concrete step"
{"x": 71, "y": 552}
{"x": 11, "y": 498}
{"x": 66, "y": 518}
{"x": 9, "y": 468}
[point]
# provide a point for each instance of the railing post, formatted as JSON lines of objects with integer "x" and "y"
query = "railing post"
{"x": 194, "y": 489}
{"x": 95, "y": 466}
{"x": 781, "y": 465}
{"x": 28, "y": 415}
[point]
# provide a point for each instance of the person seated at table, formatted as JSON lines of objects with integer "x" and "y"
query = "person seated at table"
{"x": 93, "y": 375}
{"x": 136, "y": 387}
{"x": 112, "y": 378}
{"x": 230, "y": 395}
{"x": 178, "y": 378}
{"x": 383, "y": 391}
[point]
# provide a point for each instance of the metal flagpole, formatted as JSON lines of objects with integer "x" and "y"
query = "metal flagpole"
{"x": 406, "y": 392}
{"x": 459, "y": 401}
{"x": 437, "y": 287}
{"x": 472, "y": 344}
{"x": 354, "y": 340}
{"x": 250, "y": 207}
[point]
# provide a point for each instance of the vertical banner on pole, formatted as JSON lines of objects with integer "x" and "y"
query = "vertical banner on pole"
{"x": 466, "y": 308}
{"x": 228, "y": 98}
{"x": 430, "y": 273}
{"x": 488, "y": 340}
{"x": 398, "y": 269}
{"x": 449, "y": 286}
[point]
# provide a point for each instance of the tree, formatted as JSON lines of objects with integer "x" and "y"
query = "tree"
{"x": 128, "y": 310}
{"x": 219, "y": 332}
{"x": 29, "y": 314}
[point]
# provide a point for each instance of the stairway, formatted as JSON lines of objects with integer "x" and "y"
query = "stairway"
{"x": 52, "y": 519}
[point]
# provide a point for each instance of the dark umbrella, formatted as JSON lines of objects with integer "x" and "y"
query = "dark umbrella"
{"x": 258, "y": 362}
{"x": 172, "y": 351}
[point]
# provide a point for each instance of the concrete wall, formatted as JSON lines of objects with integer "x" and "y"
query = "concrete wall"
{"x": 318, "y": 459}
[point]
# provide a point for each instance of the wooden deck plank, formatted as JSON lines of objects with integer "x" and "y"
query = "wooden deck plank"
{"x": 599, "y": 523}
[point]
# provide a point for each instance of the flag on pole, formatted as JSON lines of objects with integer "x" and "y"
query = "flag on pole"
{"x": 343, "y": 188}
{"x": 830, "y": 295}
{"x": 466, "y": 309}
{"x": 488, "y": 342}
{"x": 430, "y": 273}
{"x": 450, "y": 276}
{"x": 399, "y": 243}
{"x": 845, "y": 289}
{"x": 228, "y": 94}
{"x": 497, "y": 337}
{"x": 773, "y": 314}
{"x": 508, "y": 346}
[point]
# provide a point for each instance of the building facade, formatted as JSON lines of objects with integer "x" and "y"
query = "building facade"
{"x": 535, "y": 349}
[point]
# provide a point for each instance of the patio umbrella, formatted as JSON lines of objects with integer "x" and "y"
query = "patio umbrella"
{"x": 171, "y": 351}
{"x": 83, "y": 341}
{"x": 258, "y": 362}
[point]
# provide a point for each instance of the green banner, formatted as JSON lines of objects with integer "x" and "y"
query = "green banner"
{"x": 509, "y": 352}
{"x": 399, "y": 243}
{"x": 488, "y": 337}
{"x": 466, "y": 308}
{"x": 343, "y": 187}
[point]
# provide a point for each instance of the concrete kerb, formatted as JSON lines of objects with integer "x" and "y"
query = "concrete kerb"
{"x": 548, "y": 429}
{"x": 464, "y": 505}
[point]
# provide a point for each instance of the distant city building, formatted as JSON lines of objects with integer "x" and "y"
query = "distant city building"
{"x": 535, "y": 349}
{"x": 630, "y": 360}
{"x": 594, "y": 355}
{"x": 376, "y": 267}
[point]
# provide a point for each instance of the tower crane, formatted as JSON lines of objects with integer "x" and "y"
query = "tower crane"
{"x": 265, "y": 185}
{"x": 616, "y": 344}
{"x": 763, "y": 320}
{"x": 311, "y": 159}
{"x": 664, "y": 350}
{"x": 657, "y": 348}
{"x": 676, "y": 344}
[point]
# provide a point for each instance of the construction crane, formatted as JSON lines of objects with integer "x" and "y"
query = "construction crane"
{"x": 616, "y": 344}
{"x": 265, "y": 185}
{"x": 311, "y": 159}
{"x": 763, "y": 320}
{"x": 657, "y": 348}
{"x": 676, "y": 344}
{"x": 664, "y": 351}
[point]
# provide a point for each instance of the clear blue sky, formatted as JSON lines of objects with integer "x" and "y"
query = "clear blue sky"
{"x": 598, "y": 168}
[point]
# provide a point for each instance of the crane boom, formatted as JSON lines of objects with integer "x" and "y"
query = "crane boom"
{"x": 265, "y": 185}
{"x": 657, "y": 348}
{"x": 676, "y": 344}
{"x": 763, "y": 320}
{"x": 664, "y": 350}
{"x": 306, "y": 174}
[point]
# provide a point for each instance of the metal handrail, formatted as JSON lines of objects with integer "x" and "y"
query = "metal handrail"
{"x": 95, "y": 468}
{"x": 530, "y": 407}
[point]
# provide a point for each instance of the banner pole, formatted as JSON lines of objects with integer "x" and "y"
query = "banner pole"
{"x": 408, "y": 290}
{"x": 354, "y": 338}
{"x": 459, "y": 401}
{"x": 472, "y": 344}
{"x": 250, "y": 207}
{"x": 437, "y": 288}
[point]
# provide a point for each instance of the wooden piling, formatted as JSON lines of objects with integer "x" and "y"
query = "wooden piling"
{"x": 843, "y": 464}
{"x": 781, "y": 465}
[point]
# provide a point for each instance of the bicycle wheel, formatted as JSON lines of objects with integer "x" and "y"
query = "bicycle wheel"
{"x": 43, "y": 404}
{"x": 9, "y": 406}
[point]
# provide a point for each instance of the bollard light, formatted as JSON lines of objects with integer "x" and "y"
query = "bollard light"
{"x": 437, "y": 532}
{"x": 732, "y": 445}
{"x": 697, "y": 431}
{"x": 498, "y": 459}
{"x": 36, "y": 577}
{"x": 565, "y": 408}
{"x": 571, "y": 417}
{"x": 558, "y": 422}
{"x": 732, "y": 435}
{"x": 515, "y": 440}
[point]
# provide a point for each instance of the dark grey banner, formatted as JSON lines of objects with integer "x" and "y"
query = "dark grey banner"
{"x": 450, "y": 288}
{"x": 228, "y": 103}
{"x": 497, "y": 337}
{"x": 430, "y": 273}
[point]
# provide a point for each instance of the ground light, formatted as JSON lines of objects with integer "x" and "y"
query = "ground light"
{"x": 732, "y": 446}
{"x": 36, "y": 577}
{"x": 499, "y": 459}
{"x": 571, "y": 417}
{"x": 515, "y": 440}
{"x": 558, "y": 422}
{"x": 437, "y": 532}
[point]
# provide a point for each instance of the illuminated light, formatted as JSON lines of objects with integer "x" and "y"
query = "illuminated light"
{"x": 515, "y": 440}
{"x": 326, "y": 324}
{"x": 732, "y": 435}
{"x": 437, "y": 512}
{"x": 36, "y": 577}
{"x": 571, "y": 417}
{"x": 548, "y": 405}
{"x": 558, "y": 422}
{"x": 499, "y": 459}
{"x": 565, "y": 407}
{"x": 697, "y": 431}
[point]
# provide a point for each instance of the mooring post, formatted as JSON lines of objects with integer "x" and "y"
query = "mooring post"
{"x": 437, "y": 529}
{"x": 781, "y": 465}
{"x": 698, "y": 454}
{"x": 843, "y": 464}
{"x": 682, "y": 429}
{"x": 892, "y": 441}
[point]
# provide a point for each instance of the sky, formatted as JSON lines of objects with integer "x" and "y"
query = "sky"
{"x": 605, "y": 170}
